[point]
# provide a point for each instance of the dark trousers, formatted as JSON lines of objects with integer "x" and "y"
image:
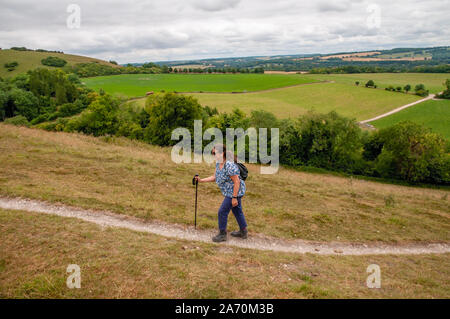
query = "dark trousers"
{"x": 224, "y": 210}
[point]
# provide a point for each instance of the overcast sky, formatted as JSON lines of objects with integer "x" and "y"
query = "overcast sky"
{"x": 139, "y": 31}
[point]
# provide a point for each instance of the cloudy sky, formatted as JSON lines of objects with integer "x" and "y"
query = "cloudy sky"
{"x": 139, "y": 31}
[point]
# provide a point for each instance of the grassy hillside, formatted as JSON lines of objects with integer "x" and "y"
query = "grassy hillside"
{"x": 36, "y": 249}
{"x": 138, "y": 179}
{"x": 432, "y": 81}
{"x": 29, "y": 60}
{"x": 134, "y": 85}
{"x": 434, "y": 114}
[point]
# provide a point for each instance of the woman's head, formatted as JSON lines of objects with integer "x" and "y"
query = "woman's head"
{"x": 221, "y": 154}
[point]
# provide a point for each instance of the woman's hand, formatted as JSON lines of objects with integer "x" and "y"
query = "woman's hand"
{"x": 206, "y": 180}
{"x": 234, "y": 202}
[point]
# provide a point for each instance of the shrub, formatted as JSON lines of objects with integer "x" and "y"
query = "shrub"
{"x": 54, "y": 61}
{"x": 100, "y": 117}
{"x": 370, "y": 83}
{"x": 446, "y": 93}
{"x": 412, "y": 153}
{"x": 18, "y": 120}
{"x": 420, "y": 90}
{"x": 322, "y": 140}
{"x": 11, "y": 66}
{"x": 25, "y": 103}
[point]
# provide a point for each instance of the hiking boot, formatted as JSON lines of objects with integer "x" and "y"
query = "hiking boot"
{"x": 221, "y": 236}
{"x": 242, "y": 233}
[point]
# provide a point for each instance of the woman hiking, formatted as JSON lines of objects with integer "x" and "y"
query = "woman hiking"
{"x": 227, "y": 177}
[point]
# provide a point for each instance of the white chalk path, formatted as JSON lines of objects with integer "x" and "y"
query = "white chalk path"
{"x": 104, "y": 218}
{"x": 429, "y": 97}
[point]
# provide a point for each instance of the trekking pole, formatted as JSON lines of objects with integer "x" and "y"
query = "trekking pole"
{"x": 195, "y": 181}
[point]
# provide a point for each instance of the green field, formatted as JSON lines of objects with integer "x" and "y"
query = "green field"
{"x": 356, "y": 102}
{"x": 432, "y": 81}
{"x": 29, "y": 60}
{"x": 434, "y": 114}
{"x": 133, "y": 85}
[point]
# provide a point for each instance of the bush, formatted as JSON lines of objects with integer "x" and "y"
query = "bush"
{"x": 100, "y": 117}
{"x": 167, "y": 112}
{"x": 420, "y": 90}
{"x": 370, "y": 83}
{"x": 25, "y": 103}
{"x": 54, "y": 61}
{"x": 11, "y": 66}
{"x": 18, "y": 120}
{"x": 446, "y": 93}
{"x": 412, "y": 153}
{"x": 322, "y": 140}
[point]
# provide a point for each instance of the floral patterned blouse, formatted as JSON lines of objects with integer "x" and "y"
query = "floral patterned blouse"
{"x": 224, "y": 180}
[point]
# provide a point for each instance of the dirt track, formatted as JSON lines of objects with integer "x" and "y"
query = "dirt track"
{"x": 108, "y": 219}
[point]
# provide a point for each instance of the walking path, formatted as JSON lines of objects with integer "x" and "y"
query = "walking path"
{"x": 104, "y": 218}
{"x": 429, "y": 97}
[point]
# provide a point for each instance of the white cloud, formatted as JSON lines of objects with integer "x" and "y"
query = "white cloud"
{"x": 138, "y": 31}
{"x": 215, "y": 5}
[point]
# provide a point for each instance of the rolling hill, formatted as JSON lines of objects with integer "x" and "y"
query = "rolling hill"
{"x": 29, "y": 60}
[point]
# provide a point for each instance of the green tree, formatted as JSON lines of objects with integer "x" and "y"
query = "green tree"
{"x": 446, "y": 93}
{"x": 411, "y": 152}
{"x": 370, "y": 83}
{"x": 169, "y": 111}
{"x": 420, "y": 90}
{"x": 100, "y": 117}
{"x": 25, "y": 103}
{"x": 407, "y": 88}
{"x": 4, "y": 98}
{"x": 323, "y": 140}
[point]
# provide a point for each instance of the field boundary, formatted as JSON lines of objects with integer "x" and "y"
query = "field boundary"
{"x": 257, "y": 241}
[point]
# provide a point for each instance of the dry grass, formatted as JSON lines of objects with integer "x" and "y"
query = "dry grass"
{"x": 138, "y": 179}
{"x": 35, "y": 251}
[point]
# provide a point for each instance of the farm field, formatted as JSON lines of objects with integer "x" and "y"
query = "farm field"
{"x": 133, "y": 85}
{"x": 434, "y": 114}
{"x": 35, "y": 250}
{"x": 29, "y": 60}
{"x": 355, "y": 102}
{"x": 137, "y": 179}
{"x": 432, "y": 81}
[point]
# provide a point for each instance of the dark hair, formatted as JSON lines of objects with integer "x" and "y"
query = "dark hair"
{"x": 223, "y": 148}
